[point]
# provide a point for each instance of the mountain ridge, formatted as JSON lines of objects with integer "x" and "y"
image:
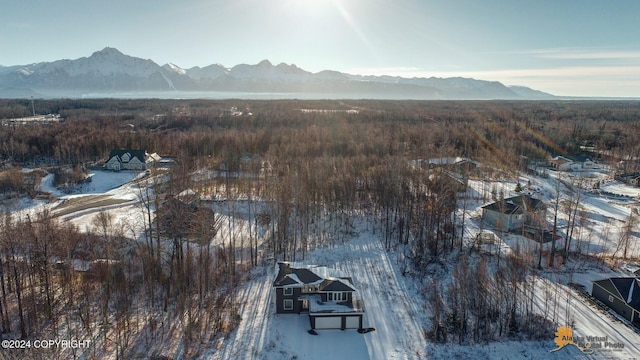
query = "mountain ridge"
{"x": 109, "y": 71}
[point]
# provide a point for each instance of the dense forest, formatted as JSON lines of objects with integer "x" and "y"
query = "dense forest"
{"x": 360, "y": 131}
{"x": 296, "y": 163}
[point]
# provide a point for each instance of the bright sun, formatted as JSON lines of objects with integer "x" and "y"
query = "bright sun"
{"x": 312, "y": 6}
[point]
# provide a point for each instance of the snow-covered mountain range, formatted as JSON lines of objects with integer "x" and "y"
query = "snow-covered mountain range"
{"x": 109, "y": 71}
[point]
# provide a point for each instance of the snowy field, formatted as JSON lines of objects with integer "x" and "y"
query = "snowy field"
{"x": 112, "y": 192}
{"x": 617, "y": 187}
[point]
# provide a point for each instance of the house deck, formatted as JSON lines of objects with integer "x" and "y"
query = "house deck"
{"x": 330, "y": 300}
{"x": 316, "y": 305}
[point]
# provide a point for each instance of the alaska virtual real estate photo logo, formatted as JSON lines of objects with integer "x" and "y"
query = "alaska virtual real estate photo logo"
{"x": 586, "y": 344}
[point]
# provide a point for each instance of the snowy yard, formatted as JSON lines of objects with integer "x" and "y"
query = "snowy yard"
{"x": 395, "y": 308}
{"x": 390, "y": 308}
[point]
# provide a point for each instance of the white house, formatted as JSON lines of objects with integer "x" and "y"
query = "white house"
{"x": 573, "y": 163}
{"x": 126, "y": 160}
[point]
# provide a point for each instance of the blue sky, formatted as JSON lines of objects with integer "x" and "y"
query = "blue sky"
{"x": 565, "y": 47}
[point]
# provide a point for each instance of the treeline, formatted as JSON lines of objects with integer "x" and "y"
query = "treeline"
{"x": 492, "y": 132}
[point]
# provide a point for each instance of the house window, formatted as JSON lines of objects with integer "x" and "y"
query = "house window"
{"x": 288, "y": 304}
{"x": 337, "y": 296}
{"x": 287, "y": 291}
{"x": 610, "y": 298}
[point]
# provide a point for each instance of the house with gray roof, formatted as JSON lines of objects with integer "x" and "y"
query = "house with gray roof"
{"x": 330, "y": 300}
{"x": 126, "y": 160}
{"x": 515, "y": 212}
{"x": 622, "y": 294}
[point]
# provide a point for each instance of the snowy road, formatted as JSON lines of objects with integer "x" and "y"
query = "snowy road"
{"x": 588, "y": 320}
{"x": 391, "y": 307}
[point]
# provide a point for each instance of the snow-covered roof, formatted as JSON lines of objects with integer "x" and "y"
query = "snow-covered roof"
{"x": 288, "y": 272}
{"x": 293, "y": 274}
{"x": 444, "y": 161}
{"x": 625, "y": 288}
{"x": 573, "y": 158}
{"x": 337, "y": 285}
{"x": 154, "y": 157}
{"x": 561, "y": 158}
{"x": 294, "y": 278}
{"x": 516, "y": 205}
{"x": 126, "y": 155}
{"x": 450, "y": 161}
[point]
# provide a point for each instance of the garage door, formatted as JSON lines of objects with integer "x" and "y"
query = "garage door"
{"x": 332, "y": 322}
{"x": 353, "y": 322}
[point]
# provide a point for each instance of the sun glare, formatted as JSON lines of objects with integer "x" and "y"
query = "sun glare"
{"x": 311, "y": 8}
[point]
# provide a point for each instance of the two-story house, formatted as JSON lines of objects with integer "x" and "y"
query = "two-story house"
{"x": 330, "y": 301}
{"x": 515, "y": 212}
{"x": 127, "y": 160}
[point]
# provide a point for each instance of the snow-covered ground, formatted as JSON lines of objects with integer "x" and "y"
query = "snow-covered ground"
{"x": 394, "y": 303}
{"x": 116, "y": 193}
{"x": 395, "y": 308}
{"x": 101, "y": 182}
{"x": 617, "y": 187}
{"x": 398, "y": 312}
{"x": 391, "y": 308}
